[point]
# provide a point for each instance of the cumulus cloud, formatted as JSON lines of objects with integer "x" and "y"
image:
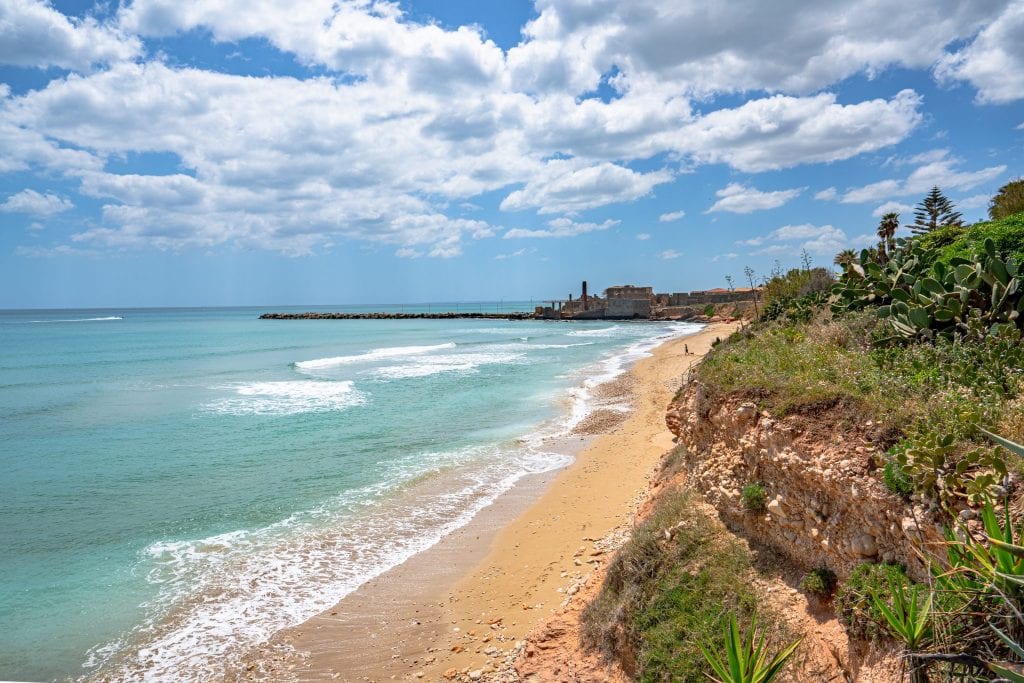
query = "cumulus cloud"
{"x": 34, "y": 34}
{"x": 564, "y": 187}
{"x": 669, "y": 254}
{"x": 994, "y": 61}
{"x": 940, "y": 170}
{"x": 704, "y": 48}
{"x": 826, "y": 195}
{"x": 781, "y": 132}
{"x": 32, "y": 203}
{"x": 671, "y": 216}
{"x": 643, "y": 236}
{"x": 738, "y": 198}
{"x": 561, "y": 227}
{"x": 412, "y": 120}
{"x": 888, "y": 207}
{"x": 816, "y": 239}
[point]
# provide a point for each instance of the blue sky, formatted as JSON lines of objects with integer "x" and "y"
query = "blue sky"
{"x": 190, "y": 152}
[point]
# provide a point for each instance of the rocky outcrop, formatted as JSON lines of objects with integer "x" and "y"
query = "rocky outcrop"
{"x": 825, "y": 504}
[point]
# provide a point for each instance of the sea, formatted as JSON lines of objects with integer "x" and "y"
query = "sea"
{"x": 177, "y": 485}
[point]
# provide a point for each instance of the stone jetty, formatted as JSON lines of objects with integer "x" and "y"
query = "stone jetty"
{"x": 449, "y": 315}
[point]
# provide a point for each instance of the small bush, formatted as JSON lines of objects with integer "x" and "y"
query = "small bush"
{"x": 820, "y": 582}
{"x": 709, "y": 310}
{"x": 853, "y": 603}
{"x": 667, "y": 593}
{"x": 754, "y": 497}
{"x": 896, "y": 480}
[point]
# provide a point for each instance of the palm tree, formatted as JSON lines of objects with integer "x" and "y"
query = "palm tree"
{"x": 887, "y": 234}
{"x": 935, "y": 211}
{"x": 845, "y": 258}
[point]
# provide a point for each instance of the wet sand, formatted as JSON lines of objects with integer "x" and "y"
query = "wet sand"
{"x": 462, "y": 605}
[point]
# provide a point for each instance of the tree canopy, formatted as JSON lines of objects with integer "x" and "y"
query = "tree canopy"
{"x": 935, "y": 211}
{"x": 1008, "y": 201}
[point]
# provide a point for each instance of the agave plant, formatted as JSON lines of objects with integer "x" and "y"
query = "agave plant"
{"x": 909, "y": 619}
{"x": 746, "y": 659}
{"x": 993, "y": 570}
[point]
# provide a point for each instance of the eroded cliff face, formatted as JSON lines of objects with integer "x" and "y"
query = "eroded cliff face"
{"x": 826, "y": 507}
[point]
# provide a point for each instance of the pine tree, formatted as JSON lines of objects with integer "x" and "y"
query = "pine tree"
{"x": 935, "y": 211}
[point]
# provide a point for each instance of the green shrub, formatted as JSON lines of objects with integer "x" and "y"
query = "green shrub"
{"x": 896, "y": 480}
{"x": 1007, "y": 234}
{"x": 797, "y": 283}
{"x": 820, "y": 582}
{"x": 669, "y": 589}
{"x": 754, "y": 497}
{"x": 709, "y": 310}
{"x": 854, "y": 605}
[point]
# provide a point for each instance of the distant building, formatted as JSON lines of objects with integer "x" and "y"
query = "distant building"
{"x": 629, "y": 292}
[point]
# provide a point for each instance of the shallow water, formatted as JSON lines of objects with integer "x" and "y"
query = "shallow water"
{"x": 180, "y": 484}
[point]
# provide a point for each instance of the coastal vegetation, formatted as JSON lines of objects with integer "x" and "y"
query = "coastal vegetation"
{"x": 669, "y": 592}
{"x": 917, "y": 348}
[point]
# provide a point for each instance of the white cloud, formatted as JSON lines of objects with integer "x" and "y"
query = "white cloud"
{"x": 994, "y": 61}
{"x": 781, "y": 132}
{"x": 939, "y": 170}
{"x": 561, "y": 227}
{"x": 704, "y": 48}
{"x": 872, "y": 192}
{"x": 729, "y": 256}
{"x": 564, "y": 187}
{"x": 643, "y": 236}
{"x": 669, "y": 254}
{"x": 33, "y": 34}
{"x": 30, "y": 202}
{"x": 671, "y": 216}
{"x": 816, "y": 239}
{"x": 53, "y": 252}
{"x": 888, "y": 207}
{"x": 412, "y": 120}
{"x": 826, "y": 195}
{"x": 976, "y": 201}
{"x": 738, "y": 198}
{"x": 514, "y": 254}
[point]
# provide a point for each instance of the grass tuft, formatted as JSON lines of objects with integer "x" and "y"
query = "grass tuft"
{"x": 754, "y": 497}
{"x": 669, "y": 589}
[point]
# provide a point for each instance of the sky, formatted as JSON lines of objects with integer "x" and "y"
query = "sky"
{"x": 261, "y": 152}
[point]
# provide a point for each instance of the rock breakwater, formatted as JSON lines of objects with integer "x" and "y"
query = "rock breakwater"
{"x": 448, "y": 315}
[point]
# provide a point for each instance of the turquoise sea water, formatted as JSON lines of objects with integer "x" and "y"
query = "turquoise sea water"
{"x": 180, "y": 484}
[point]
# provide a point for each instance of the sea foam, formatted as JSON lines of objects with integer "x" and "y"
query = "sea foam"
{"x": 229, "y": 592}
{"x": 80, "y": 320}
{"x": 370, "y": 356}
{"x": 288, "y": 398}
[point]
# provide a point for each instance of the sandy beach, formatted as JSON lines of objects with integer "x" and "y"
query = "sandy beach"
{"x": 463, "y": 605}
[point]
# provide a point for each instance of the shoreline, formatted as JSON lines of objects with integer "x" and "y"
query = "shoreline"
{"x": 462, "y": 605}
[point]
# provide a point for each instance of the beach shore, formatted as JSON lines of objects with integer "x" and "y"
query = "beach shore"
{"x": 465, "y": 603}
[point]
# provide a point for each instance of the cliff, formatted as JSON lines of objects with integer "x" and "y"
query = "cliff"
{"x": 825, "y": 505}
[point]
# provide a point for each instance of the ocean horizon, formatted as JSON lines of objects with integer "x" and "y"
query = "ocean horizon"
{"x": 183, "y": 483}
